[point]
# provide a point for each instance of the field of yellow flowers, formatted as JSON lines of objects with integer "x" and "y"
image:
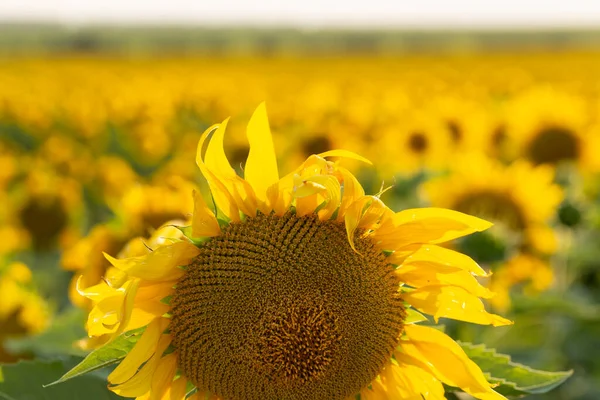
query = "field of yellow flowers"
{"x": 98, "y": 152}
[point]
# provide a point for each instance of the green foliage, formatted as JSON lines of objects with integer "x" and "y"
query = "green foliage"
{"x": 109, "y": 354}
{"x": 513, "y": 379}
{"x": 413, "y": 316}
{"x": 25, "y": 380}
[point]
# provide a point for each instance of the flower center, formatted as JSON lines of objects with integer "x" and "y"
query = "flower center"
{"x": 283, "y": 308}
{"x": 44, "y": 219}
{"x": 493, "y": 206}
{"x": 316, "y": 145}
{"x": 418, "y": 142}
{"x": 552, "y": 145}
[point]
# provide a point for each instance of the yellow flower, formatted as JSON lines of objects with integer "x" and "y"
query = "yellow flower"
{"x": 520, "y": 198}
{"x": 22, "y": 310}
{"x": 548, "y": 126}
{"x": 294, "y": 287}
{"x": 46, "y": 208}
{"x": 421, "y": 142}
{"x": 521, "y": 268}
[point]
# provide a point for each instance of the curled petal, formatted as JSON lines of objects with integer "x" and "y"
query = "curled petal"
{"x": 223, "y": 198}
{"x": 363, "y": 213}
{"x": 161, "y": 264}
{"x": 344, "y": 154}
{"x": 204, "y": 222}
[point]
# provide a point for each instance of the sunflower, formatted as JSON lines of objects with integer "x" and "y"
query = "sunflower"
{"x": 47, "y": 207}
{"x": 300, "y": 287}
{"x": 22, "y": 310}
{"x": 547, "y": 126}
{"x": 468, "y": 124}
{"x": 519, "y": 198}
{"x": 523, "y": 268}
{"x": 421, "y": 142}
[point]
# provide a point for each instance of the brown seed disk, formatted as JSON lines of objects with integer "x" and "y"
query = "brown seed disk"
{"x": 282, "y": 308}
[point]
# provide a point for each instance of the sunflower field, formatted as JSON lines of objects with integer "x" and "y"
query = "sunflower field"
{"x": 297, "y": 226}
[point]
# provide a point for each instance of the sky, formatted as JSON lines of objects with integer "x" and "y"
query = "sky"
{"x": 312, "y": 13}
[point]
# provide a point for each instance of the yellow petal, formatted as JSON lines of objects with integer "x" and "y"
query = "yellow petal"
{"x": 332, "y": 194}
{"x": 216, "y": 162}
{"x": 363, "y": 213}
{"x": 452, "y": 302}
{"x": 446, "y": 361}
{"x": 104, "y": 316}
{"x": 97, "y": 292}
{"x": 215, "y": 158}
{"x": 219, "y": 191}
{"x": 307, "y": 205}
{"x": 280, "y": 195}
{"x": 127, "y": 307}
{"x": 427, "y": 225}
{"x": 432, "y": 254}
{"x": 344, "y": 154}
{"x": 163, "y": 376}
{"x": 140, "y": 353}
{"x": 161, "y": 264}
{"x": 261, "y": 167}
{"x": 141, "y": 382}
{"x": 407, "y": 380}
{"x": 177, "y": 390}
{"x": 423, "y": 274}
{"x": 353, "y": 190}
{"x": 204, "y": 222}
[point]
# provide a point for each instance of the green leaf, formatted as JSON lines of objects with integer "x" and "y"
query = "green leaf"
{"x": 413, "y": 316}
{"x": 58, "y": 339}
{"x": 25, "y": 380}
{"x": 106, "y": 355}
{"x": 513, "y": 379}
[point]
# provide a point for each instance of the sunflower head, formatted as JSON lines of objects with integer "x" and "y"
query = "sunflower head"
{"x": 295, "y": 287}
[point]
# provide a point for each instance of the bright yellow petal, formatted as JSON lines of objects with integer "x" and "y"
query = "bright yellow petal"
{"x": 423, "y": 274}
{"x": 215, "y": 158}
{"x": 332, "y": 194}
{"x": 353, "y": 191}
{"x": 97, "y": 292}
{"x": 363, "y": 213}
{"x": 163, "y": 376}
{"x": 140, "y": 353}
{"x": 104, "y": 316}
{"x": 427, "y": 225}
{"x": 177, "y": 390}
{"x": 452, "y": 302}
{"x": 141, "y": 382}
{"x": 446, "y": 361}
{"x": 218, "y": 165}
{"x": 344, "y": 154}
{"x": 204, "y": 222}
{"x": 161, "y": 264}
{"x": 219, "y": 191}
{"x": 435, "y": 255}
{"x": 406, "y": 380}
{"x": 261, "y": 167}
